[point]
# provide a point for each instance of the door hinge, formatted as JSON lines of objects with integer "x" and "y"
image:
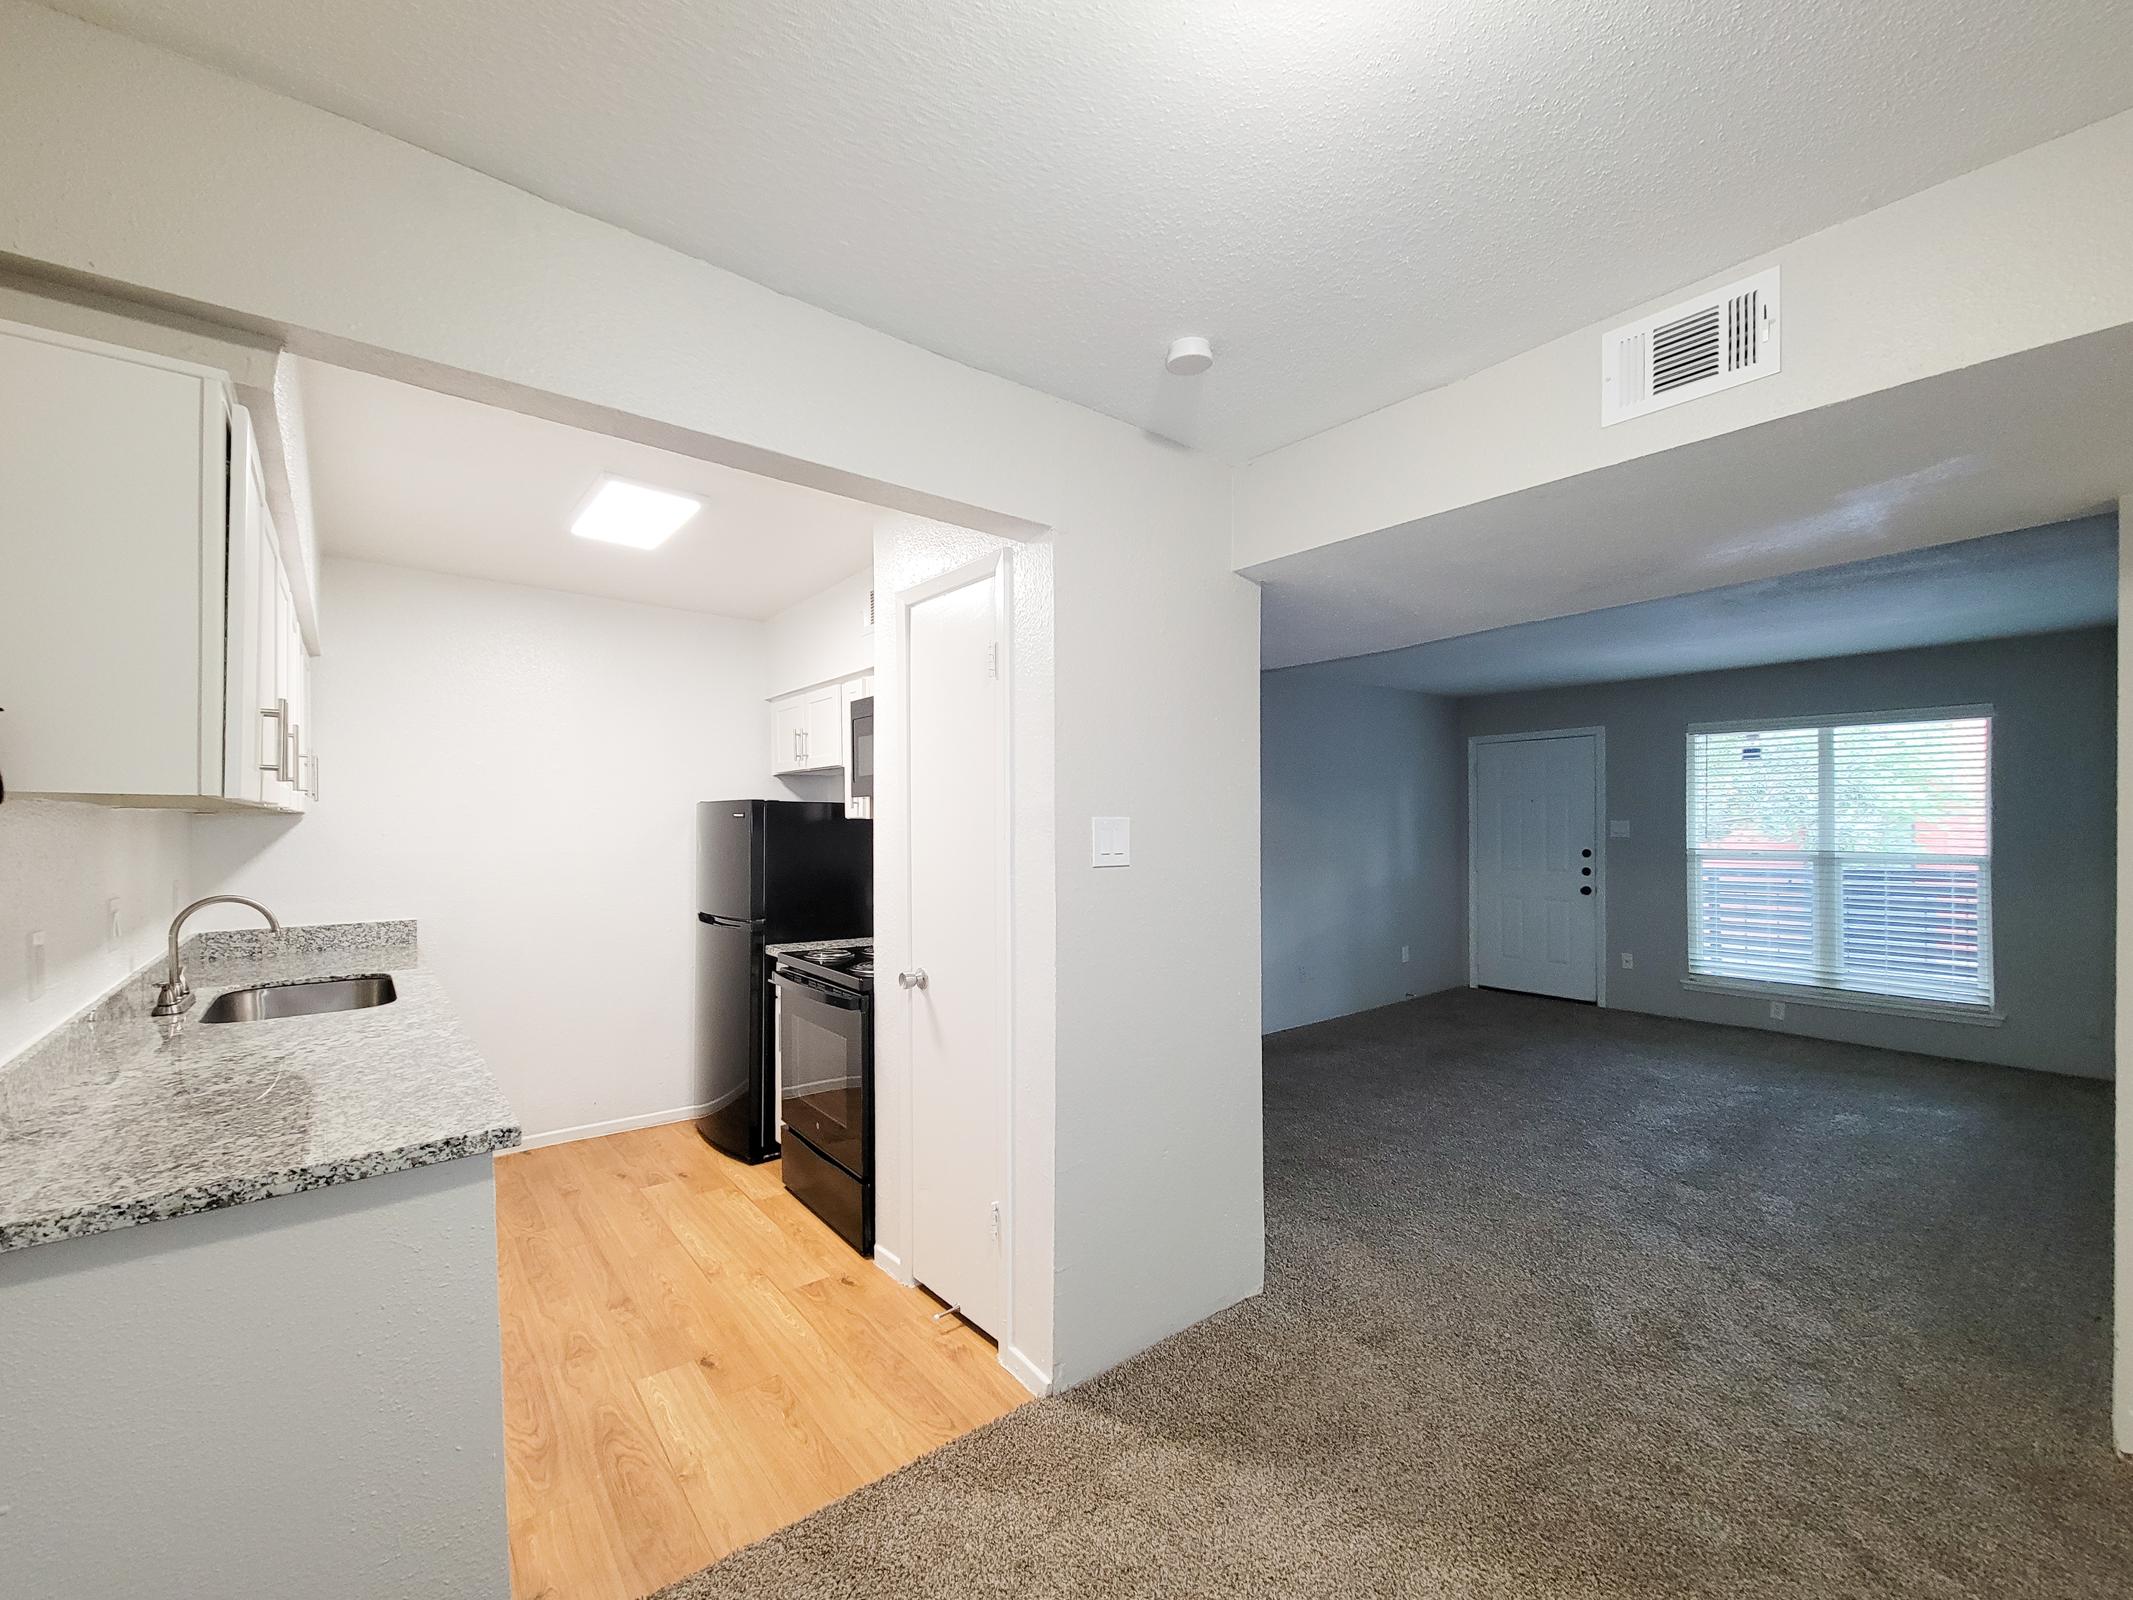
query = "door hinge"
{"x": 996, "y": 1220}
{"x": 992, "y": 661}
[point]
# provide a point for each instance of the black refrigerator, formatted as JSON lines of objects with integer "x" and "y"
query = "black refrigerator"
{"x": 767, "y": 872}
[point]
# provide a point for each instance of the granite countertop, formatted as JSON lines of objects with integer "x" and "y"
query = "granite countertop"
{"x": 865, "y": 942}
{"x": 118, "y": 1119}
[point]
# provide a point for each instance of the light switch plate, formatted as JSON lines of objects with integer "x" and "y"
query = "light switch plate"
{"x": 1618, "y": 830}
{"x": 1110, "y": 841}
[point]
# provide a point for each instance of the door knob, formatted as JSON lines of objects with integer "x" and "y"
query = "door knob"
{"x": 913, "y": 980}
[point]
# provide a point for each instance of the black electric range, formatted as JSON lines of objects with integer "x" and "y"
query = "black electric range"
{"x": 850, "y": 966}
{"x": 826, "y": 1084}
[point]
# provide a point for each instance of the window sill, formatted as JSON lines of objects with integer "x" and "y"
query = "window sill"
{"x": 1847, "y": 1000}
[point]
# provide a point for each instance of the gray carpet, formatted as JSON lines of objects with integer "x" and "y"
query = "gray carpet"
{"x": 1576, "y": 1303}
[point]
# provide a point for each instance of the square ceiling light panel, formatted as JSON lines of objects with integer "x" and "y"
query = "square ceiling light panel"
{"x": 633, "y": 514}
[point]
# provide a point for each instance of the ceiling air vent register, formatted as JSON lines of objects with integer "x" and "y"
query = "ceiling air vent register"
{"x": 1716, "y": 341}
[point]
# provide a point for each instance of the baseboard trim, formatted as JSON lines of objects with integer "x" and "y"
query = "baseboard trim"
{"x": 893, "y": 1264}
{"x": 1026, "y": 1372}
{"x": 594, "y": 1130}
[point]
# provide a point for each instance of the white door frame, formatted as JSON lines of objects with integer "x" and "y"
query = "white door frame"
{"x": 1599, "y": 843}
{"x": 997, "y": 568}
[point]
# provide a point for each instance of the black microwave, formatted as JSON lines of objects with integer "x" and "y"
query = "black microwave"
{"x": 863, "y": 755}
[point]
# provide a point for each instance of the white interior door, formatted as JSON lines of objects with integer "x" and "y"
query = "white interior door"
{"x": 1536, "y": 865}
{"x": 958, "y": 1035}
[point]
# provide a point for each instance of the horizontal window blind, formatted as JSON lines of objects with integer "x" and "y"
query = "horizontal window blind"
{"x": 1845, "y": 856}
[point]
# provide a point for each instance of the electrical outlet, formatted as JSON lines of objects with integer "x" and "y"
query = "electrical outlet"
{"x": 1629, "y": 961}
{"x": 1404, "y": 957}
{"x": 1618, "y": 830}
{"x": 36, "y": 972}
{"x": 1777, "y": 1011}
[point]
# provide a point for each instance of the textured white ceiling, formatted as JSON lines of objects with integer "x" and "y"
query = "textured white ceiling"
{"x": 2003, "y": 586}
{"x": 1354, "y": 201}
{"x": 421, "y": 479}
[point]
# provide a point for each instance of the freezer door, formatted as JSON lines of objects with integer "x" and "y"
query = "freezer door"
{"x": 727, "y": 837}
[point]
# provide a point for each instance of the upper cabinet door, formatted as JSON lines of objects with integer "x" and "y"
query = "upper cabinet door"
{"x": 295, "y": 690}
{"x": 822, "y": 746}
{"x": 267, "y": 715}
{"x": 111, "y": 498}
{"x": 788, "y": 734}
{"x": 249, "y": 532}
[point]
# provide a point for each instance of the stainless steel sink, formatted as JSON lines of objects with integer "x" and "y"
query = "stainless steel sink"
{"x": 305, "y": 999}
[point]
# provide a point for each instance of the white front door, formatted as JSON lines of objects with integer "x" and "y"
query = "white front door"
{"x": 958, "y": 1034}
{"x": 1536, "y": 866}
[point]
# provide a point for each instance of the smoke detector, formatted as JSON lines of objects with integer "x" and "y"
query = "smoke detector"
{"x": 1189, "y": 357}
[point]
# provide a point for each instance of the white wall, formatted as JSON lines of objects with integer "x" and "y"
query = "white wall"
{"x": 518, "y": 770}
{"x": 60, "y": 865}
{"x": 822, "y": 638}
{"x": 1160, "y": 1192}
{"x": 1362, "y": 847}
{"x": 2052, "y": 801}
{"x": 2025, "y": 252}
{"x": 375, "y": 254}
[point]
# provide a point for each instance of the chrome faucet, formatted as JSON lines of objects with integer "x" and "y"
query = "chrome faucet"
{"x": 174, "y": 996}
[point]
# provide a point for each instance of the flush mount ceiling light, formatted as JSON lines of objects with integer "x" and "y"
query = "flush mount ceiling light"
{"x": 632, "y": 514}
{"x": 1189, "y": 357}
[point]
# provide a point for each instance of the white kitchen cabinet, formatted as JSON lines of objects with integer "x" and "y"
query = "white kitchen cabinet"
{"x": 267, "y": 687}
{"x": 788, "y": 731}
{"x": 808, "y": 730}
{"x": 290, "y": 702}
{"x": 141, "y": 620}
{"x": 823, "y": 746}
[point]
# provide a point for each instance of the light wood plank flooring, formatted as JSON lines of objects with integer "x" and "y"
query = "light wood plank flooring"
{"x": 692, "y": 1361}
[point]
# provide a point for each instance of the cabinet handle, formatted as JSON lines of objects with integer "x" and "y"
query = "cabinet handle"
{"x": 806, "y": 747}
{"x": 279, "y": 712}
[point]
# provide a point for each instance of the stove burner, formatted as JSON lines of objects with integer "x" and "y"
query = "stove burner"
{"x": 839, "y": 959}
{"x": 863, "y": 969}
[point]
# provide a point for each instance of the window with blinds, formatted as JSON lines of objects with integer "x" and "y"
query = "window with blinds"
{"x": 1852, "y": 857}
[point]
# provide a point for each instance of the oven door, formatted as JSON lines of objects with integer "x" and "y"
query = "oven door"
{"x": 823, "y": 1069}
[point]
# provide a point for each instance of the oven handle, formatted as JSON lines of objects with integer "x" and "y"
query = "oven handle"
{"x": 842, "y": 999}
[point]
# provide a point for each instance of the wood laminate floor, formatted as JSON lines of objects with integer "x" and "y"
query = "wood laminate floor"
{"x": 692, "y": 1360}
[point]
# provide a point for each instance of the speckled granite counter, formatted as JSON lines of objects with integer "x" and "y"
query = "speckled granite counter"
{"x": 116, "y": 1119}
